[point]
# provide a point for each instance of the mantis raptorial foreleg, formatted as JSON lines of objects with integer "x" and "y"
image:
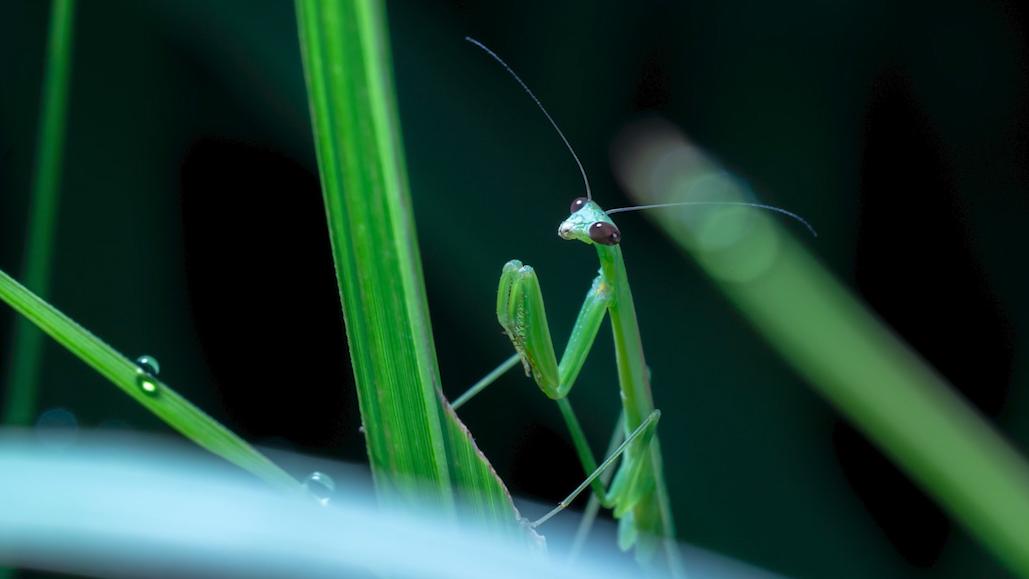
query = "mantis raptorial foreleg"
{"x": 522, "y": 315}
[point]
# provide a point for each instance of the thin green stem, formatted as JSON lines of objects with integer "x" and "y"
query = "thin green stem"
{"x": 486, "y": 381}
{"x": 27, "y": 342}
{"x": 152, "y": 394}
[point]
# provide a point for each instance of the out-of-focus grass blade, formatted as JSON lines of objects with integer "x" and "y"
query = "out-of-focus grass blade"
{"x": 27, "y": 343}
{"x": 414, "y": 445}
{"x": 845, "y": 352}
{"x": 169, "y": 406}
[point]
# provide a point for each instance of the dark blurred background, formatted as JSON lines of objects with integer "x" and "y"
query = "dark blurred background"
{"x": 191, "y": 229}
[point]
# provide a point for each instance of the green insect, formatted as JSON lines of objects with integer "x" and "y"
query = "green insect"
{"x": 638, "y": 494}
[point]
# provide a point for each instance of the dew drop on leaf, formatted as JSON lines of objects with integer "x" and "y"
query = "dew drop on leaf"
{"x": 321, "y": 486}
{"x": 149, "y": 365}
{"x": 147, "y": 384}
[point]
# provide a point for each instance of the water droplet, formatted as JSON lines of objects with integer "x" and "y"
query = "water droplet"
{"x": 149, "y": 365}
{"x": 321, "y": 486}
{"x": 148, "y": 386}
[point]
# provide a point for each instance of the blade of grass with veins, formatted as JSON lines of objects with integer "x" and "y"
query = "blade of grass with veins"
{"x": 147, "y": 390}
{"x": 416, "y": 445}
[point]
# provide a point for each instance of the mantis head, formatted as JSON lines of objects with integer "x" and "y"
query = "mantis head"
{"x": 589, "y": 224}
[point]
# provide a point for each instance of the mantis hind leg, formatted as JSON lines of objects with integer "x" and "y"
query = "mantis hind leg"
{"x": 641, "y": 436}
{"x": 589, "y": 515}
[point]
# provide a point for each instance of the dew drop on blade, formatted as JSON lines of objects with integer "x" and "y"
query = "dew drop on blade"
{"x": 146, "y": 384}
{"x": 321, "y": 486}
{"x": 149, "y": 365}
{"x": 149, "y": 368}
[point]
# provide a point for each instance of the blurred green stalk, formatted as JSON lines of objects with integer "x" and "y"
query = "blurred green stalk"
{"x": 26, "y": 354}
{"x": 843, "y": 349}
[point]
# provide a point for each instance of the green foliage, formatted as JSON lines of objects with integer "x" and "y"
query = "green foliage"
{"x": 416, "y": 445}
{"x": 27, "y": 350}
{"x": 148, "y": 391}
{"x": 845, "y": 352}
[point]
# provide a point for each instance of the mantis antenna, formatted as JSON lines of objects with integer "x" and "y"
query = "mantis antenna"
{"x": 729, "y": 203}
{"x": 553, "y": 123}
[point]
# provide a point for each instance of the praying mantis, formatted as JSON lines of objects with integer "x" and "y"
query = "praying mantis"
{"x": 638, "y": 494}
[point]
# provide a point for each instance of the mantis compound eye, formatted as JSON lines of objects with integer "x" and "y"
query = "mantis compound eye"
{"x": 578, "y": 204}
{"x": 605, "y": 233}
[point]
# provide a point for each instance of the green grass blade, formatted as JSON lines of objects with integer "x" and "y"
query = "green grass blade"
{"x": 415, "y": 442}
{"x": 27, "y": 351}
{"x": 165, "y": 403}
{"x": 844, "y": 351}
{"x": 346, "y": 62}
